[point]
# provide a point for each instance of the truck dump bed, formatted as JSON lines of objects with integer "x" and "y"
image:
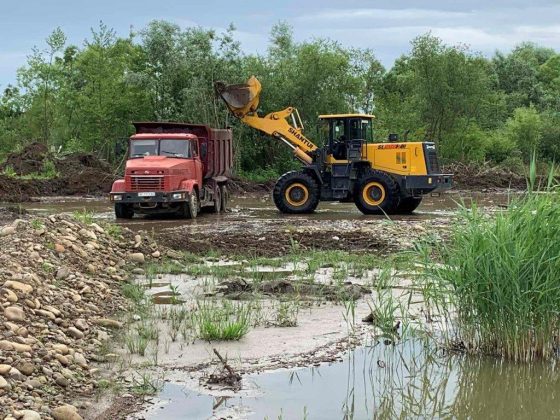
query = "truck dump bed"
{"x": 216, "y": 145}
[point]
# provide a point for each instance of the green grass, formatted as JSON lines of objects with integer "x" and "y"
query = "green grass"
{"x": 48, "y": 172}
{"x": 500, "y": 278}
{"x": 217, "y": 321}
{"x": 84, "y": 216}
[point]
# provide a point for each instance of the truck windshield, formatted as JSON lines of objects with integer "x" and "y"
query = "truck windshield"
{"x": 154, "y": 147}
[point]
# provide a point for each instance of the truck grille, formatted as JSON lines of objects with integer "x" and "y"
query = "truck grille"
{"x": 432, "y": 163}
{"x": 146, "y": 183}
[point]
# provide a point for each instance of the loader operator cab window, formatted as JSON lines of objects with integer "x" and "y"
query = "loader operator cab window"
{"x": 361, "y": 128}
{"x": 339, "y": 137}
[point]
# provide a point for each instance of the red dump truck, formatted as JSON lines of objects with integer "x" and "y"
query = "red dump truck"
{"x": 174, "y": 167}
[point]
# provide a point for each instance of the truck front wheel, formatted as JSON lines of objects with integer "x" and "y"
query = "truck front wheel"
{"x": 124, "y": 211}
{"x": 408, "y": 204}
{"x": 296, "y": 193}
{"x": 189, "y": 209}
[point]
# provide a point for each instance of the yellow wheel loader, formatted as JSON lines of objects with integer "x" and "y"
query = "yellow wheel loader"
{"x": 381, "y": 178}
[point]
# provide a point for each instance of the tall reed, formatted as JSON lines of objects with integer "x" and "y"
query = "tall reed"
{"x": 500, "y": 275}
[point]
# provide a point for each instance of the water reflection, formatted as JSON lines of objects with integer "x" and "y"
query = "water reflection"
{"x": 410, "y": 380}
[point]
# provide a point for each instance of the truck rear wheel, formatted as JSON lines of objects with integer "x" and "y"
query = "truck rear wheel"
{"x": 296, "y": 193}
{"x": 376, "y": 193}
{"x": 189, "y": 209}
{"x": 225, "y": 198}
{"x": 408, "y": 204}
{"x": 124, "y": 211}
{"x": 217, "y": 201}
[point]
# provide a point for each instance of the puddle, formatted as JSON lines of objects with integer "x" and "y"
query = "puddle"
{"x": 167, "y": 298}
{"x": 403, "y": 381}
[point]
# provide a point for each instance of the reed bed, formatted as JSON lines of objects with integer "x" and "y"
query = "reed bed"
{"x": 500, "y": 278}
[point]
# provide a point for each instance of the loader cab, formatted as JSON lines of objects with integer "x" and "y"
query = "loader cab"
{"x": 344, "y": 134}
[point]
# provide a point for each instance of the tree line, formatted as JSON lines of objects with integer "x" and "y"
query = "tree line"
{"x": 496, "y": 110}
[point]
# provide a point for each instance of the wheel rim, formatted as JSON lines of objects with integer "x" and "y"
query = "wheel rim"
{"x": 297, "y": 194}
{"x": 373, "y": 193}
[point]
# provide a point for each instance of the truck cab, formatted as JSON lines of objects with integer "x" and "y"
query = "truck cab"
{"x": 166, "y": 173}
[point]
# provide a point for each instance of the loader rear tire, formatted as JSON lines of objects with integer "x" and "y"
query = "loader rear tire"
{"x": 296, "y": 193}
{"x": 376, "y": 193}
{"x": 124, "y": 211}
{"x": 408, "y": 204}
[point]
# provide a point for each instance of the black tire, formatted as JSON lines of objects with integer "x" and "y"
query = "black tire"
{"x": 408, "y": 204}
{"x": 225, "y": 198}
{"x": 217, "y": 207}
{"x": 376, "y": 193}
{"x": 296, "y": 193}
{"x": 189, "y": 209}
{"x": 124, "y": 211}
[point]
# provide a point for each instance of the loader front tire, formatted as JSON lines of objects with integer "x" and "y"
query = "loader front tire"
{"x": 408, "y": 204}
{"x": 376, "y": 193}
{"x": 296, "y": 193}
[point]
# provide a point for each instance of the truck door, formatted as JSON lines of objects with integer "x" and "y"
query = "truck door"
{"x": 197, "y": 163}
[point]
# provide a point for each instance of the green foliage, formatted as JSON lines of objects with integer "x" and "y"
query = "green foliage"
{"x": 84, "y": 216}
{"x": 524, "y": 130}
{"x": 502, "y": 277}
{"x": 222, "y": 320}
{"x": 84, "y": 98}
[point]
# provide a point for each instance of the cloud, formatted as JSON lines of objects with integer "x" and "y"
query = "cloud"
{"x": 382, "y": 14}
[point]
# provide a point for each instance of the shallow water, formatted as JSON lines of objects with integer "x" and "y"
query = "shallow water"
{"x": 404, "y": 381}
{"x": 250, "y": 207}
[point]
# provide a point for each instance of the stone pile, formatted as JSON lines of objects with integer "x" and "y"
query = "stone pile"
{"x": 60, "y": 291}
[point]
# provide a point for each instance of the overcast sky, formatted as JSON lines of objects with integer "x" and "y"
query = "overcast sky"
{"x": 385, "y": 26}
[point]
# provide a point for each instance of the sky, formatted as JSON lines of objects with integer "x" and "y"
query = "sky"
{"x": 385, "y": 26}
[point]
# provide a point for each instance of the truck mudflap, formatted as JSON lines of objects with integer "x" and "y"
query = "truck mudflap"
{"x": 429, "y": 183}
{"x": 149, "y": 197}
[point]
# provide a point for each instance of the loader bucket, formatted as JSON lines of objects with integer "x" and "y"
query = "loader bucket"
{"x": 240, "y": 99}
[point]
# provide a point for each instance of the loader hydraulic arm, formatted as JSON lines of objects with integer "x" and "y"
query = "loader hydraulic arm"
{"x": 243, "y": 100}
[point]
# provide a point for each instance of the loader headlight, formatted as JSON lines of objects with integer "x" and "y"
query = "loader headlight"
{"x": 117, "y": 197}
{"x": 177, "y": 196}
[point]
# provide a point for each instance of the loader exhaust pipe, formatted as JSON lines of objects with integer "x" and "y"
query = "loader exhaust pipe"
{"x": 240, "y": 99}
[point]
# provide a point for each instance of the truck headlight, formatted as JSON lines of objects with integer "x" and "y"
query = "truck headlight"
{"x": 117, "y": 197}
{"x": 177, "y": 196}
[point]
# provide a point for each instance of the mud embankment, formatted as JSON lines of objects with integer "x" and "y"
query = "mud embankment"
{"x": 36, "y": 172}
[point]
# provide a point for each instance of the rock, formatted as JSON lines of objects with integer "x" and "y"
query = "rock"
{"x": 66, "y": 412}
{"x": 20, "y": 287}
{"x": 88, "y": 234}
{"x": 174, "y": 254}
{"x": 59, "y": 248}
{"x": 4, "y": 383}
{"x": 14, "y": 313}
{"x": 156, "y": 254}
{"x": 80, "y": 360}
{"x": 138, "y": 271}
{"x": 102, "y": 335}
{"x": 9, "y": 295}
{"x": 7, "y": 230}
{"x": 4, "y": 369}
{"x": 81, "y": 324}
{"x": 61, "y": 348}
{"x": 29, "y": 415}
{"x": 75, "y": 333}
{"x": 137, "y": 239}
{"x": 62, "y": 273}
{"x": 136, "y": 257}
{"x": 26, "y": 368}
{"x": 107, "y": 322}
{"x": 60, "y": 380}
